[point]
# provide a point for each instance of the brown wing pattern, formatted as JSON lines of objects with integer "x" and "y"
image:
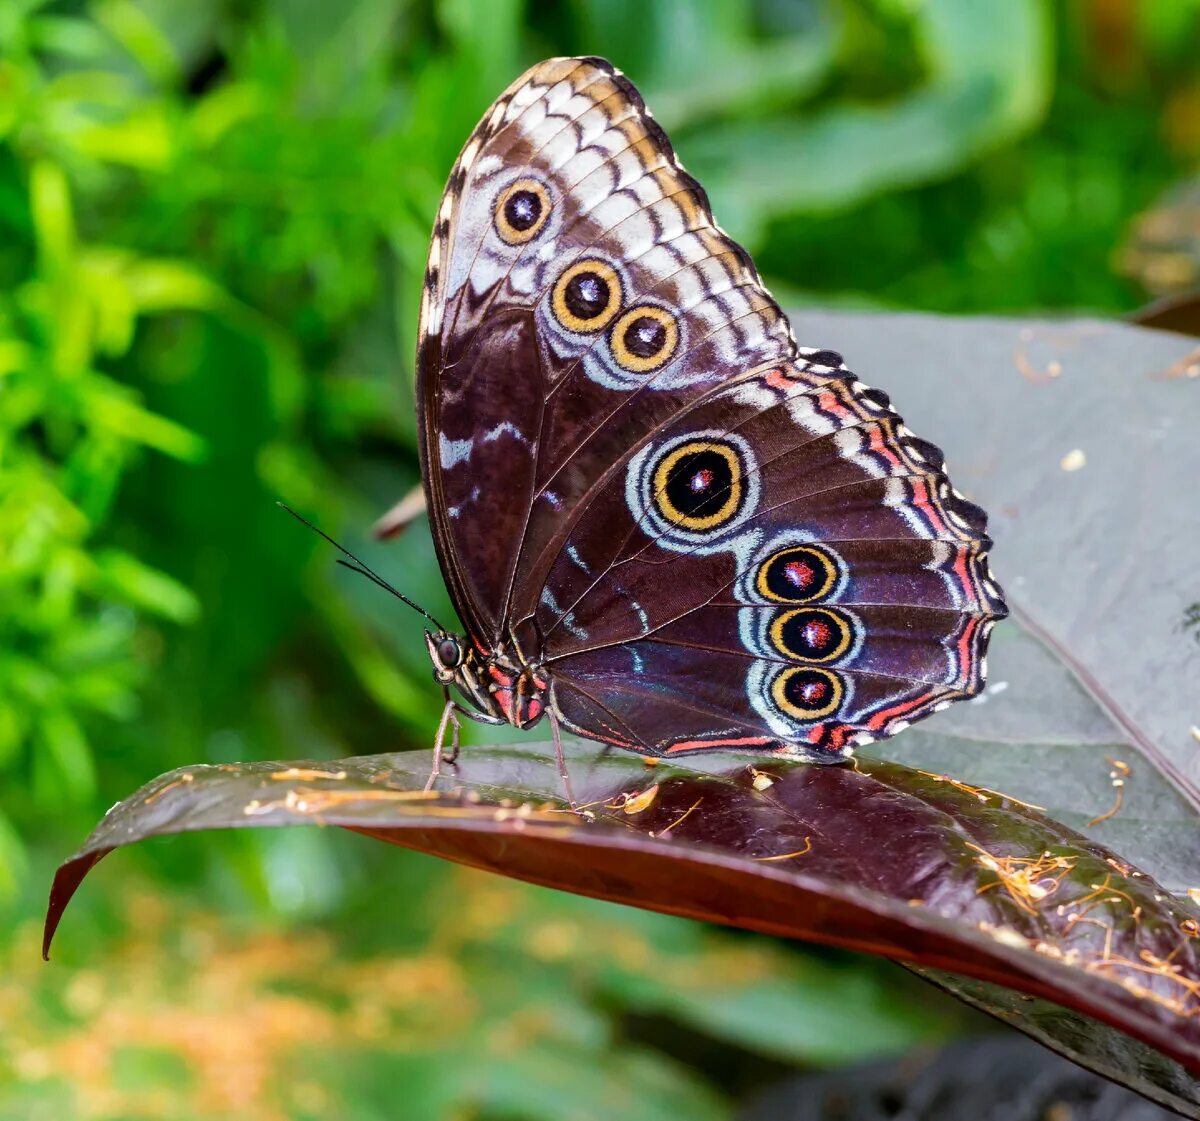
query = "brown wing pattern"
{"x": 783, "y": 565}
{"x": 615, "y": 230}
{"x": 710, "y": 536}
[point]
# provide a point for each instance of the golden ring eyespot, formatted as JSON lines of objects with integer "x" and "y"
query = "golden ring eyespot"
{"x": 808, "y": 693}
{"x": 698, "y": 485}
{"x": 587, "y": 296}
{"x": 522, "y": 209}
{"x": 644, "y": 338}
{"x": 812, "y": 634}
{"x": 797, "y": 574}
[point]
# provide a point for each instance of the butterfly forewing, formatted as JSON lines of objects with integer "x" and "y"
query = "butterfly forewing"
{"x": 639, "y": 304}
{"x": 706, "y": 535}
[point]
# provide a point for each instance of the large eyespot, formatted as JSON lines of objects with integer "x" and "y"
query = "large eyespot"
{"x": 521, "y": 211}
{"x": 797, "y": 574}
{"x": 812, "y": 634}
{"x": 698, "y": 485}
{"x": 587, "y": 296}
{"x": 807, "y": 693}
{"x": 644, "y": 338}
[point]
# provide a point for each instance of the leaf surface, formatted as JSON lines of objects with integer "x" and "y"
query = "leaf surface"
{"x": 878, "y": 857}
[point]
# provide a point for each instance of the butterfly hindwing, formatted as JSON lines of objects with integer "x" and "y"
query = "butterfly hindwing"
{"x": 797, "y": 549}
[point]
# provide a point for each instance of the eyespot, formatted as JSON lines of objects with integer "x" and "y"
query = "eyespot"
{"x": 698, "y": 485}
{"x": 587, "y": 296}
{"x": 449, "y": 653}
{"x": 522, "y": 209}
{"x": 644, "y": 338}
{"x": 829, "y": 358}
{"x": 797, "y": 574}
{"x": 808, "y": 693}
{"x": 813, "y": 634}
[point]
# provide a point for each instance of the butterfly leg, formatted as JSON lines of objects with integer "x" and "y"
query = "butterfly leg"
{"x": 449, "y": 720}
{"x": 558, "y": 756}
{"x": 455, "y": 730}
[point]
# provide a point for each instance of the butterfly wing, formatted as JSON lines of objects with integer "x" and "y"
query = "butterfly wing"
{"x": 709, "y": 535}
{"x": 783, "y": 565}
{"x": 578, "y": 295}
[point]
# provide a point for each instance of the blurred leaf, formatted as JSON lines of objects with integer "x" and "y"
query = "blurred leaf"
{"x": 144, "y": 139}
{"x": 129, "y": 579}
{"x": 1180, "y": 314}
{"x": 161, "y": 285}
{"x": 13, "y": 863}
{"x": 69, "y": 36}
{"x": 1141, "y": 1068}
{"x": 130, "y": 26}
{"x": 989, "y": 80}
{"x": 1163, "y": 249}
{"x": 119, "y": 416}
{"x": 1168, "y": 25}
{"x": 993, "y": 1076}
{"x": 50, "y": 201}
{"x": 749, "y": 80}
{"x": 66, "y": 755}
{"x": 150, "y": 1028}
{"x": 950, "y": 877}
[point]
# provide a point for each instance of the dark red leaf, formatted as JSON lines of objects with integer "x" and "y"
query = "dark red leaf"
{"x": 875, "y": 857}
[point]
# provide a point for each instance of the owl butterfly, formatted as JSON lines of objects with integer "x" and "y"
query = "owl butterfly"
{"x": 663, "y": 524}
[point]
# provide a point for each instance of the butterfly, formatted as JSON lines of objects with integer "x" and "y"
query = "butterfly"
{"x": 664, "y": 525}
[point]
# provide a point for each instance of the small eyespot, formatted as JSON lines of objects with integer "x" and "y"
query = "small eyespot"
{"x": 698, "y": 485}
{"x": 808, "y": 693}
{"x": 644, "y": 338}
{"x": 797, "y": 574}
{"x": 829, "y": 358}
{"x": 587, "y": 296}
{"x": 812, "y": 634}
{"x": 449, "y": 653}
{"x": 875, "y": 399}
{"x": 522, "y": 209}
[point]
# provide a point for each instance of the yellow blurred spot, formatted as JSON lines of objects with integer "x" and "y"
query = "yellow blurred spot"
{"x": 762, "y": 780}
{"x": 1007, "y": 936}
{"x": 1073, "y": 460}
{"x": 1181, "y": 120}
{"x": 789, "y": 855}
{"x": 302, "y": 773}
{"x": 636, "y": 803}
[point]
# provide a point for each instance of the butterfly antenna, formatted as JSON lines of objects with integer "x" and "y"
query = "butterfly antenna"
{"x": 361, "y": 568}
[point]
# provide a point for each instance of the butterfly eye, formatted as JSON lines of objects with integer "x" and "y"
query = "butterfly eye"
{"x": 813, "y": 634}
{"x": 521, "y": 211}
{"x": 587, "y": 296}
{"x": 698, "y": 485}
{"x": 644, "y": 338}
{"x": 807, "y": 693}
{"x": 449, "y": 653}
{"x": 798, "y": 574}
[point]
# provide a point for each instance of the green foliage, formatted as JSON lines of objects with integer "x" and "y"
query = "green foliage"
{"x": 213, "y": 223}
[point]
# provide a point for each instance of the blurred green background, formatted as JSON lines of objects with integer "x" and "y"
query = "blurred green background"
{"x": 214, "y": 216}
